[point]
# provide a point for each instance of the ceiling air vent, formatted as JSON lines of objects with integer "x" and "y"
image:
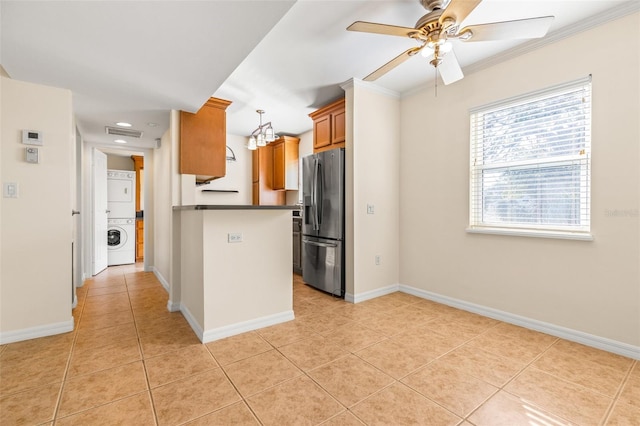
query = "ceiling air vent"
{"x": 116, "y": 131}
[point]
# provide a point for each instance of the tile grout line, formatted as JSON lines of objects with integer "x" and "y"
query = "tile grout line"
{"x": 142, "y": 357}
{"x": 69, "y": 358}
{"x": 618, "y": 393}
{"x": 242, "y": 397}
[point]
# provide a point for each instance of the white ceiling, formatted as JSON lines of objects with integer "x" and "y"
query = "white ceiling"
{"x": 136, "y": 60}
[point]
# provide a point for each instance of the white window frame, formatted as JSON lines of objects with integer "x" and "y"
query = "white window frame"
{"x": 479, "y": 166}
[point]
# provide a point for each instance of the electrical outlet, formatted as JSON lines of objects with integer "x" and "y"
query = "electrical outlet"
{"x": 234, "y": 237}
{"x": 370, "y": 209}
{"x": 378, "y": 259}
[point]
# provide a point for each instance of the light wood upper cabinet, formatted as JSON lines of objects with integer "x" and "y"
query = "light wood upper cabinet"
{"x": 203, "y": 141}
{"x": 285, "y": 163}
{"x": 275, "y": 170}
{"x": 329, "y": 128}
{"x": 322, "y": 132}
{"x": 263, "y": 192}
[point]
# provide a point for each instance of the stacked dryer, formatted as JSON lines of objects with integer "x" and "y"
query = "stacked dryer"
{"x": 121, "y": 219}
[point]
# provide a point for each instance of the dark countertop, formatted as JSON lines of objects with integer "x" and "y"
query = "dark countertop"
{"x": 233, "y": 207}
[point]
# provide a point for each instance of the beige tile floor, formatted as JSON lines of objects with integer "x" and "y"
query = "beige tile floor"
{"x": 395, "y": 360}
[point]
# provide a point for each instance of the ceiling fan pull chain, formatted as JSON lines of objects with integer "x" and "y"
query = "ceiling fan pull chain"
{"x": 435, "y": 70}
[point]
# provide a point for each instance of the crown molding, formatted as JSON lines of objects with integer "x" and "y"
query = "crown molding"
{"x": 565, "y": 32}
{"x": 356, "y": 82}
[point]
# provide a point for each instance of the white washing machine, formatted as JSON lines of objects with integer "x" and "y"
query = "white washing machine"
{"x": 121, "y": 194}
{"x": 121, "y": 241}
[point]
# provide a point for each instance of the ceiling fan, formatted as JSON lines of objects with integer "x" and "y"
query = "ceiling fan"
{"x": 435, "y": 30}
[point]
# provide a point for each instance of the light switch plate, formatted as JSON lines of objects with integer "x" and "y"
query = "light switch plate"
{"x": 10, "y": 190}
{"x": 370, "y": 209}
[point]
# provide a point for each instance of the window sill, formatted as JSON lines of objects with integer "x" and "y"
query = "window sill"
{"x": 580, "y": 236}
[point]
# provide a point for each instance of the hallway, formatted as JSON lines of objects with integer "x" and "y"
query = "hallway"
{"x": 394, "y": 360}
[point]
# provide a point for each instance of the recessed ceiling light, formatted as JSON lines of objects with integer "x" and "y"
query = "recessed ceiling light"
{"x": 123, "y": 124}
{"x": 152, "y": 124}
{"x": 119, "y": 141}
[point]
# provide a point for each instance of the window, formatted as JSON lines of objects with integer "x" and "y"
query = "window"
{"x": 530, "y": 164}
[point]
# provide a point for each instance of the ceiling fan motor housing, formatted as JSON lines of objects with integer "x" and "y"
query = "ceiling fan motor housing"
{"x": 431, "y": 5}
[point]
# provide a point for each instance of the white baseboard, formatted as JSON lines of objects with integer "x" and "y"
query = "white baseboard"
{"x": 598, "y": 342}
{"x": 243, "y": 327}
{"x": 74, "y": 304}
{"x": 173, "y": 306}
{"x": 372, "y": 294}
{"x": 197, "y": 328}
{"x": 160, "y": 278}
{"x": 35, "y": 332}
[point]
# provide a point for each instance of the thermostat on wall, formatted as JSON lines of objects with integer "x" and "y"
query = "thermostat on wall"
{"x": 31, "y": 137}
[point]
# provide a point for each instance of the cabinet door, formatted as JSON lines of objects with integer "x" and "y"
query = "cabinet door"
{"x": 322, "y": 132}
{"x": 262, "y": 189}
{"x": 255, "y": 200}
{"x": 139, "y": 240}
{"x": 203, "y": 137}
{"x": 279, "y": 164}
{"x": 338, "y": 130}
{"x": 255, "y": 169}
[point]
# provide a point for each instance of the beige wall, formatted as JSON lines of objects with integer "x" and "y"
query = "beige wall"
{"x": 373, "y": 179}
{"x": 592, "y": 287}
{"x": 237, "y": 178}
{"x": 36, "y": 228}
{"x": 119, "y": 162}
{"x": 192, "y": 266}
{"x": 305, "y": 148}
{"x": 248, "y": 280}
{"x": 161, "y": 180}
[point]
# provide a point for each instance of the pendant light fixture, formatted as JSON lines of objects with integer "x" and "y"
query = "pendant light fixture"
{"x": 261, "y": 136}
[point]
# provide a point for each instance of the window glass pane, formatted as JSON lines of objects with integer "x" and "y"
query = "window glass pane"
{"x": 530, "y": 161}
{"x": 541, "y": 129}
{"x": 545, "y": 195}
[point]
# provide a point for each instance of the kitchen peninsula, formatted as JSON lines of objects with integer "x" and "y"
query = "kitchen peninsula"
{"x": 232, "y": 271}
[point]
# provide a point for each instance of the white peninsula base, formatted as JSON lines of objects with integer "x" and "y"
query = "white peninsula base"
{"x": 224, "y": 286}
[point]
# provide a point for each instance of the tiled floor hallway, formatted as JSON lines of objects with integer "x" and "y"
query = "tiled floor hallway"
{"x": 395, "y": 360}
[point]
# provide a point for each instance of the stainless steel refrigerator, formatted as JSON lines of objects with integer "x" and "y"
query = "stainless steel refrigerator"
{"x": 323, "y": 221}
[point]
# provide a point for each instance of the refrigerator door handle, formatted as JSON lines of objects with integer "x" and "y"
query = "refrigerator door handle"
{"x": 320, "y": 190}
{"x": 314, "y": 195}
{"x": 317, "y": 244}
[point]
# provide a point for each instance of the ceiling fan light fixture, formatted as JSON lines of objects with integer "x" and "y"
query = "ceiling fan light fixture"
{"x": 442, "y": 23}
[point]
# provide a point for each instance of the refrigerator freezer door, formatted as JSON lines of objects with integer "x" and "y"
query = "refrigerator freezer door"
{"x": 322, "y": 266}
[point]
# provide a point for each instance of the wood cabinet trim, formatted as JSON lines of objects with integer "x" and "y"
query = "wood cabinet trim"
{"x": 217, "y": 103}
{"x": 328, "y": 109}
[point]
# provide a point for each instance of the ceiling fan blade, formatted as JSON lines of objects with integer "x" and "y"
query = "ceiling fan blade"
{"x": 392, "y": 64}
{"x": 522, "y": 28}
{"x": 450, "y": 70}
{"x": 458, "y": 10}
{"x": 372, "y": 27}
